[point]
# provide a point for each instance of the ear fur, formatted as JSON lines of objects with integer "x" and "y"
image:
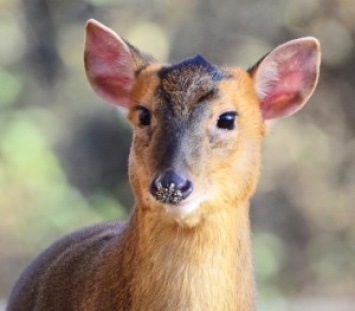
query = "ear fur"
{"x": 111, "y": 64}
{"x": 286, "y": 77}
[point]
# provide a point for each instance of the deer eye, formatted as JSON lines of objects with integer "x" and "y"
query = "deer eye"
{"x": 226, "y": 121}
{"x": 144, "y": 116}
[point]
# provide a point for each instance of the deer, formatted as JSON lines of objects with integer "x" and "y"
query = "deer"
{"x": 194, "y": 164}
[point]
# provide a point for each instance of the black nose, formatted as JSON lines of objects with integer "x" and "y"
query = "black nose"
{"x": 170, "y": 187}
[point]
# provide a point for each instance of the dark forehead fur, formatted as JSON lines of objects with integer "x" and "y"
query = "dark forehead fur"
{"x": 187, "y": 83}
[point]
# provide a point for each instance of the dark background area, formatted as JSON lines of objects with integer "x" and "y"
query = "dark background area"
{"x": 63, "y": 153}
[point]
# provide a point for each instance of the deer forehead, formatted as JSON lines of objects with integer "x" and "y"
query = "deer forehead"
{"x": 189, "y": 87}
{"x": 190, "y": 82}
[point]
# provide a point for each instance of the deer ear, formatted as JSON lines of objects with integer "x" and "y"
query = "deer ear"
{"x": 111, "y": 64}
{"x": 286, "y": 77}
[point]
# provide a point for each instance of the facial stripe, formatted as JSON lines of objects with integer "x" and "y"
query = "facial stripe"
{"x": 183, "y": 107}
{"x": 180, "y": 139}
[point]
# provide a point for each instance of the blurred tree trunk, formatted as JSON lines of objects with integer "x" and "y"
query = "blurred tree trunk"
{"x": 42, "y": 54}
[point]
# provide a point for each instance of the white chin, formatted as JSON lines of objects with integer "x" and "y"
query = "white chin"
{"x": 184, "y": 207}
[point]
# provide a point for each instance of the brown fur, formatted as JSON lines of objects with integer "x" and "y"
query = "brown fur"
{"x": 160, "y": 260}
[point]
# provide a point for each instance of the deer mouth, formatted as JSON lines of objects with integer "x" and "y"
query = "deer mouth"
{"x": 184, "y": 208}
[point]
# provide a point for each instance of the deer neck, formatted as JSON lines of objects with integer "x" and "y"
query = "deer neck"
{"x": 205, "y": 267}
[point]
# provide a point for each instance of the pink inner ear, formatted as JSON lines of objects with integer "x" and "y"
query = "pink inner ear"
{"x": 284, "y": 96}
{"x": 108, "y": 64}
{"x": 286, "y": 78}
{"x": 119, "y": 89}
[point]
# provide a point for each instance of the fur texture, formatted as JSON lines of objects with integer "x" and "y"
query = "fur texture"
{"x": 190, "y": 256}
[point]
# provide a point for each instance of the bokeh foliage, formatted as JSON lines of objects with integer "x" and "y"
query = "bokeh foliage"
{"x": 63, "y": 154}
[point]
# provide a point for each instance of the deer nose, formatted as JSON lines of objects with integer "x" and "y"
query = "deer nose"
{"x": 170, "y": 187}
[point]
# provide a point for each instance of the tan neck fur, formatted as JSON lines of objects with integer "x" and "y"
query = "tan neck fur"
{"x": 207, "y": 267}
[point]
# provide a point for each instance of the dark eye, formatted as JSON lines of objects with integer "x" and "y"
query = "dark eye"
{"x": 144, "y": 116}
{"x": 226, "y": 121}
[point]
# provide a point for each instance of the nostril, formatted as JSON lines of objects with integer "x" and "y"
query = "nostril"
{"x": 170, "y": 187}
{"x": 186, "y": 189}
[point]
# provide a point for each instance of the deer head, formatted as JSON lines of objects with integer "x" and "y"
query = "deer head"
{"x": 197, "y": 128}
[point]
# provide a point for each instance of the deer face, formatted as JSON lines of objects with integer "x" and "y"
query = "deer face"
{"x": 197, "y": 127}
{"x": 190, "y": 140}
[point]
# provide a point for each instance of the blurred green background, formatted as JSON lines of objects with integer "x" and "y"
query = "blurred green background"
{"x": 63, "y": 153}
